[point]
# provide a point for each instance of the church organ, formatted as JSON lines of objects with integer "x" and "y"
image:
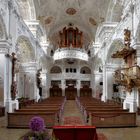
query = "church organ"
{"x": 71, "y": 37}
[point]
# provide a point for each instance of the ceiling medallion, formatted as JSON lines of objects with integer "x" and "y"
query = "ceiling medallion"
{"x": 92, "y": 21}
{"x": 48, "y": 20}
{"x": 71, "y": 11}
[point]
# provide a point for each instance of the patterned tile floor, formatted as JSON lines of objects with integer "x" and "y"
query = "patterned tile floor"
{"x": 72, "y": 110}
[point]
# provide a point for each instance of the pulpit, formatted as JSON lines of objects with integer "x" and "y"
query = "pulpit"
{"x": 75, "y": 133}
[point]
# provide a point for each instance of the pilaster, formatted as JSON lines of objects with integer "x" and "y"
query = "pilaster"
{"x": 108, "y": 71}
{"x": 44, "y": 87}
{"x": 97, "y": 88}
{"x": 78, "y": 87}
{"x": 63, "y": 84}
{"x": 131, "y": 100}
{"x": 28, "y": 71}
{"x": 10, "y": 104}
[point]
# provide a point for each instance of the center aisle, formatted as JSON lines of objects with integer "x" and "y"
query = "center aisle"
{"x": 72, "y": 114}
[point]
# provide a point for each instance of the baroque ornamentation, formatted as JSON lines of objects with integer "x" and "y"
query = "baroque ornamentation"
{"x": 92, "y": 21}
{"x": 71, "y": 11}
{"x": 49, "y": 20}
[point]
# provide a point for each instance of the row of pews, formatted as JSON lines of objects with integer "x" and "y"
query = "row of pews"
{"x": 23, "y": 102}
{"x": 50, "y": 110}
{"x": 101, "y": 114}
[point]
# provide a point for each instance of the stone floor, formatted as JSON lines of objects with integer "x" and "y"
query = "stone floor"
{"x": 110, "y": 133}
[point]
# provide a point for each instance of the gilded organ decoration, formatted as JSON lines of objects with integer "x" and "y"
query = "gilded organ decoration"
{"x": 127, "y": 37}
{"x": 71, "y": 37}
{"x": 129, "y": 76}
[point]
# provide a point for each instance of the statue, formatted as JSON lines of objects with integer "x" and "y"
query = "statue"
{"x": 39, "y": 83}
{"x": 127, "y": 37}
{"x": 13, "y": 83}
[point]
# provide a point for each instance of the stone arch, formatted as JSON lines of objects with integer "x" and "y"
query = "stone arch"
{"x": 27, "y": 9}
{"x": 3, "y": 33}
{"x": 55, "y": 69}
{"x": 85, "y": 70}
{"x": 114, "y": 11}
{"x": 25, "y": 52}
{"x": 116, "y": 45}
{"x": 138, "y": 34}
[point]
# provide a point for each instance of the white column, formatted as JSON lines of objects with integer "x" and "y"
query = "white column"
{"x": 137, "y": 46}
{"x": 97, "y": 88}
{"x": 130, "y": 101}
{"x": 9, "y": 104}
{"x": 108, "y": 81}
{"x": 92, "y": 84}
{"x": 78, "y": 87}
{"x": 30, "y": 70}
{"x": 110, "y": 68}
{"x": 63, "y": 82}
{"x": 44, "y": 87}
{"x": 103, "y": 98}
{"x": 48, "y": 84}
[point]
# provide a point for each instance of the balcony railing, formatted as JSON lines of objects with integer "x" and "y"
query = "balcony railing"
{"x": 84, "y": 77}
{"x": 70, "y": 53}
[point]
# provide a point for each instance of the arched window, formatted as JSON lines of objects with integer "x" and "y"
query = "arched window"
{"x": 56, "y": 69}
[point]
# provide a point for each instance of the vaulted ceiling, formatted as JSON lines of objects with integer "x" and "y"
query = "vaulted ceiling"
{"x": 84, "y": 14}
{"x": 87, "y": 15}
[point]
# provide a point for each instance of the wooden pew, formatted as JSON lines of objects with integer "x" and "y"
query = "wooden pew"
{"x": 22, "y": 119}
{"x": 102, "y": 114}
{"x": 113, "y": 119}
{"x": 45, "y": 109}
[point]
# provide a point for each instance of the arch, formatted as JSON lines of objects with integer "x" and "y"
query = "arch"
{"x": 55, "y": 69}
{"x": 138, "y": 33}
{"x": 115, "y": 46}
{"x": 25, "y": 51}
{"x": 85, "y": 70}
{"x": 27, "y": 9}
{"x": 3, "y": 34}
{"x": 114, "y": 11}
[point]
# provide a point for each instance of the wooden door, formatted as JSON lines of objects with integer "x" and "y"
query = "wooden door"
{"x": 71, "y": 93}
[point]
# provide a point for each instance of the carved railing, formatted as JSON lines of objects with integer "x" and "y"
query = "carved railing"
{"x": 71, "y": 76}
{"x": 70, "y": 53}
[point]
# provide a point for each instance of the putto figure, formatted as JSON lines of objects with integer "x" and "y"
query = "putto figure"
{"x": 127, "y": 37}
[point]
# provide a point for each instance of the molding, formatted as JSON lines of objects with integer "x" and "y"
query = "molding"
{"x": 111, "y": 67}
{"x": 5, "y": 46}
{"x": 70, "y": 53}
{"x": 84, "y": 77}
{"x": 28, "y": 67}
